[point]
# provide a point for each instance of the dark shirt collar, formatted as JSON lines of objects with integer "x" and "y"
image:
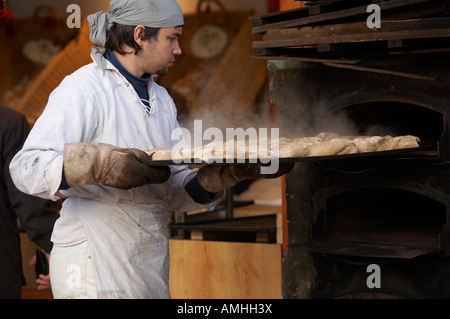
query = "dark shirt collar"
{"x": 139, "y": 84}
{"x": 130, "y": 77}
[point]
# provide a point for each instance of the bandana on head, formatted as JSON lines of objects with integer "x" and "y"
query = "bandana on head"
{"x": 149, "y": 13}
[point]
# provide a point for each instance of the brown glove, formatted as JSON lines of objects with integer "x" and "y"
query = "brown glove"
{"x": 215, "y": 178}
{"x": 98, "y": 163}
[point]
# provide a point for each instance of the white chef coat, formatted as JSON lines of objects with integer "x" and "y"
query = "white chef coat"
{"x": 126, "y": 229}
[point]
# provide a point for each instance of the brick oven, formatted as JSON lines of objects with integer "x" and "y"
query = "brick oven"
{"x": 329, "y": 70}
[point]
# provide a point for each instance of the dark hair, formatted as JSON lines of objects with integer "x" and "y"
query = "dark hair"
{"x": 119, "y": 34}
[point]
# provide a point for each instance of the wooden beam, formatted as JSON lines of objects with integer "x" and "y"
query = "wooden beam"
{"x": 303, "y": 20}
{"x": 356, "y": 32}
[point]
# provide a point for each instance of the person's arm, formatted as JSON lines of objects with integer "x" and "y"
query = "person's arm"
{"x": 216, "y": 178}
{"x": 198, "y": 193}
{"x": 188, "y": 194}
{"x": 69, "y": 116}
{"x": 100, "y": 163}
{"x": 35, "y": 215}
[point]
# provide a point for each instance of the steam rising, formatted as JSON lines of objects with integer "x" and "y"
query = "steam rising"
{"x": 224, "y": 116}
{"x": 259, "y": 115}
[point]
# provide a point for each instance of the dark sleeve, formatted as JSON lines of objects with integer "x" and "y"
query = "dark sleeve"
{"x": 198, "y": 193}
{"x": 64, "y": 185}
{"x": 35, "y": 215}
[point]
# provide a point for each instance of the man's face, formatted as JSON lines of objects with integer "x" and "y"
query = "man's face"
{"x": 158, "y": 54}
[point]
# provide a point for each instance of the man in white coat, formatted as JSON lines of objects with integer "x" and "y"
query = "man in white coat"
{"x": 111, "y": 240}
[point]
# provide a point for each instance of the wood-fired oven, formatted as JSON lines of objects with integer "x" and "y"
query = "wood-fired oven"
{"x": 328, "y": 71}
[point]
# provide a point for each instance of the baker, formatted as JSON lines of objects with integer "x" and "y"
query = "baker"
{"x": 111, "y": 240}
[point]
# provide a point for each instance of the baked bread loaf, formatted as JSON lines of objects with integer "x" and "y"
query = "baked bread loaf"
{"x": 323, "y": 144}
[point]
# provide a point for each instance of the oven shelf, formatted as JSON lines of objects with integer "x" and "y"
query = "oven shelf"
{"x": 242, "y": 229}
{"x": 367, "y": 249}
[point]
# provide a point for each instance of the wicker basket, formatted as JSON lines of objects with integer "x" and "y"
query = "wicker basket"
{"x": 73, "y": 56}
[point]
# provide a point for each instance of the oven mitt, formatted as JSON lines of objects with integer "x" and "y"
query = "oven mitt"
{"x": 215, "y": 178}
{"x": 98, "y": 163}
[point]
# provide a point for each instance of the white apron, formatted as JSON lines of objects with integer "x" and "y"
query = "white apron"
{"x": 129, "y": 251}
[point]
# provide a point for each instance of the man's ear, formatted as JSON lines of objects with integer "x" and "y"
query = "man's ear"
{"x": 139, "y": 33}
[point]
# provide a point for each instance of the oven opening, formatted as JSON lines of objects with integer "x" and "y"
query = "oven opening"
{"x": 384, "y": 216}
{"x": 396, "y": 118}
